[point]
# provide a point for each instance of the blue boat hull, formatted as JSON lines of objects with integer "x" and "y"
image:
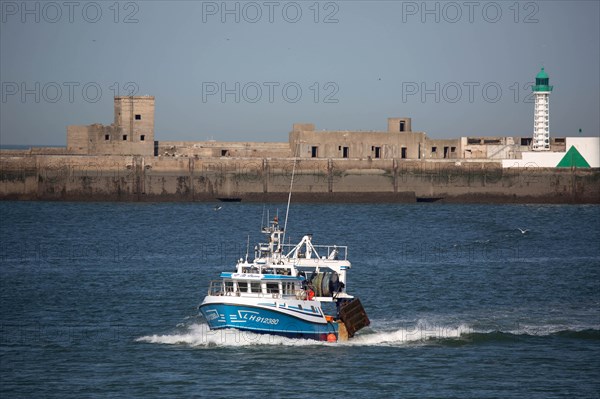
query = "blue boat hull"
{"x": 264, "y": 321}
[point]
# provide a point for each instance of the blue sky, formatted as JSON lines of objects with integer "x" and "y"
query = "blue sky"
{"x": 246, "y": 71}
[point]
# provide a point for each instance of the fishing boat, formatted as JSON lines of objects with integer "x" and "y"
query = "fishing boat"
{"x": 296, "y": 291}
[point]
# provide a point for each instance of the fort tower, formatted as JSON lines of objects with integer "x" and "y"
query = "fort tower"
{"x": 135, "y": 116}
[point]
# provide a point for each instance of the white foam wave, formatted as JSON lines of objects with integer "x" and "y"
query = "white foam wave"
{"x": 199, "y": 335}
{"x": 546, "y": 330}
{"x": 385, "y": 333}
{"x": 420, "y": 333}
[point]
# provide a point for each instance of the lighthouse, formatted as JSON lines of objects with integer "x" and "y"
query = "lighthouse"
{"x": 541, "y": 112}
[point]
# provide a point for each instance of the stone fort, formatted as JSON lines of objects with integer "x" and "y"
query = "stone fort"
{"x": 132, "y": 133}
{"x": 124, "y": 161}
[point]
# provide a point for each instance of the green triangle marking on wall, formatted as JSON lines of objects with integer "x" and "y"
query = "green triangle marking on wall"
{"x": 573, "y": 159}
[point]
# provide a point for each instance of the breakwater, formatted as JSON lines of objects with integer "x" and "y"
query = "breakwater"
{"x": 147, "y": 178}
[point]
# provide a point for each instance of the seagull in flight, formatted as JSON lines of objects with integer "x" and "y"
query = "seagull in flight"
{"x": 523, "y": 231}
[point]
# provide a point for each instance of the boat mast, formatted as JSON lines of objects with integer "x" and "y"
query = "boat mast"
{"x": 287, "y": 210}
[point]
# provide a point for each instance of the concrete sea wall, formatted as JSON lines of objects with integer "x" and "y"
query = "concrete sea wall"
{"x": 140, "y": 178}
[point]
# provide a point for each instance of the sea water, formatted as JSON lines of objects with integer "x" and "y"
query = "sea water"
{"x": 100, "y": 300}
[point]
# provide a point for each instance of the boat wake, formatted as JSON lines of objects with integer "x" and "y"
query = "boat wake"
{"x": 200, "y": 336}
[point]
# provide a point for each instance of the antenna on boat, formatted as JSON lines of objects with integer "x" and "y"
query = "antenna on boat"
{"x": 247, "y": 247}
{"x": 287, "y": 210}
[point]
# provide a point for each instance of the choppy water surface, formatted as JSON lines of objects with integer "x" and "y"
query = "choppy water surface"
{"x": 100, "y": 300}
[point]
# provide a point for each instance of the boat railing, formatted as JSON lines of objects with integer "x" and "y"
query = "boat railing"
{"x": 219, "y": 288}
{"x": 216, "y": 288}
{"x": 337, "y": 252}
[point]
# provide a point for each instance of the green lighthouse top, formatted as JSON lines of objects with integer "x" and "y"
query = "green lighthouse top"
{"x": 542, "y": 82}
{"x": 542, "y": 74}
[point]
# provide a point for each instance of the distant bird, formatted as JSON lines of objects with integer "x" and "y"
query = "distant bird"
{"x": 379, "y": 79}
{"x": 523, "y": 231}
{"x": 218, "y": 207}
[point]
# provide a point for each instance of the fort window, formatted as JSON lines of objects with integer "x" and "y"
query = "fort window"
{"x": 433, "y": 150}
{"x": 526, "y": 141}
{"x": 403, "y": 153}
{"x": 452, "y": 149}
{"x": 559, "y": 140}
{"x": 345, "y": 152}
{"x": 138, "y": 117}
{"x": 340, "y": 148}
{"x": 224, "y": 153}
{"x": 446, "y": 152}
{"x": 124, "y": 137}
{"x": 314, "y": 151}
{"x": 107, "y": 137}
{"x": 401, "y": 126}
{"x": 142, "y": 137}
{"x": 377, "y": 152}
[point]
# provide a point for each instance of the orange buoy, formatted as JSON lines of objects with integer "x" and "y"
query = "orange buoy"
{"x": 331, "y": 337}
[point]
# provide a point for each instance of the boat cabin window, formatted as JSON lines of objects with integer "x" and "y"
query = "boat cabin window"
{"x": 288, "y": 288}
{"x": 228, "y": 286}
{"x": 272, "y": 288}
{"x": 243, "y": 286}
{"x": 255, "y": 287}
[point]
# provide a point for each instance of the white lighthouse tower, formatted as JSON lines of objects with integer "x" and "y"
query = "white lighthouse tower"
{"x": 541, "y": 112}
